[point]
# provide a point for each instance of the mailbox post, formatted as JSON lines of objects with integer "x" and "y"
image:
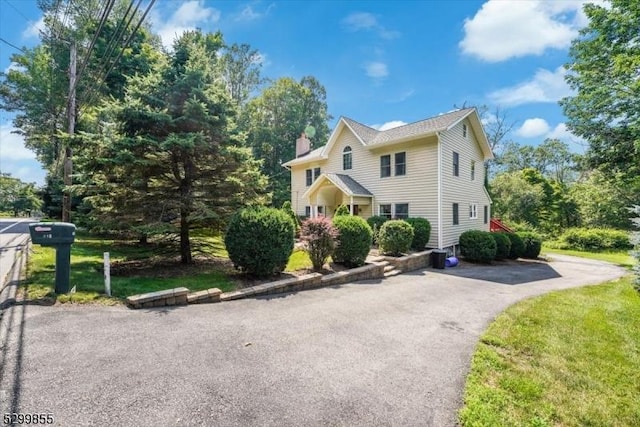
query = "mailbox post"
{"x": 59, "y": 235}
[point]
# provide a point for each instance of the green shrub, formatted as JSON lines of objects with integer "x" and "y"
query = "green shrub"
{"x": 286, "y": 206}
{"x": 503, "y": 245}
{"x": 594, "y": 239}
{"x": 478, "y": 246}
{"x": 421, "y": 233}
{"x": 319, "y": 237}
{"x": 395, "y": 237}
{"x": 375, "y": 222}
{"x": 517, "y": 246}
{"x": 260, "y": 240}
{"x": 342, "y": 210}
{"x": 532, "y": 244}
{"x": 634, "y": 239}
{"x": 354, "y": 240}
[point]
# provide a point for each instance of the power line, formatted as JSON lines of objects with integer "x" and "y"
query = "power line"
{"x": 103, "y": 20}
{"x": 117, "y": 36}
{"x": 12, "y": 45}
{"x": 129, "y": 39}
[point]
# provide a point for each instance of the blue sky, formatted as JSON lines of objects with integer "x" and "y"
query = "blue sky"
{"x": 382, "y": 63}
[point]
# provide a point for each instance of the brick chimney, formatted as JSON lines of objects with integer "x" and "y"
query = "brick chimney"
{"x": 303, "y": 145}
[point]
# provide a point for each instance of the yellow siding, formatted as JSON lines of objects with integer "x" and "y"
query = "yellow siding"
{"x": 418, "y": 187}
{"x": 461, "y": 189}
{"x": 299, "y": 184}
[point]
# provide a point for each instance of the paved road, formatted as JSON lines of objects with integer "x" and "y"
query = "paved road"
{"x": 392, "y": 352}
{"x": 14, "y": 234}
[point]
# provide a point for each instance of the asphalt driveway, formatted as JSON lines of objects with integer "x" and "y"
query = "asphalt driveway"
{"x": 392, "y": 352}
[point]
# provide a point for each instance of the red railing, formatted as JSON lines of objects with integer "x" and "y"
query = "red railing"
{"x": 497, "y": 225}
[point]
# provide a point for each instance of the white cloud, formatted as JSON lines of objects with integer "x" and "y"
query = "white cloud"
{"x": 16, "y": 159}
{"x": 185, "y": 18}
{"x": 545, "y": 86}
{"x": 248, "y": 14}
{"x": 368, "y": 22}
{"x": 13, "y": 66}
{"x": 360, "y": 21}
{"x": 376, "y": 70}
{"x": 34, "y": 29}
{"x": 488, "y": 118}
{"x": 262, "y": 59}
{"x": 563, "y": 134}
{"x": 501, "y": 30}
{"x": 533, "y": 127}
{"x": 12, "y": 145}
{"x": 389, "y": 125}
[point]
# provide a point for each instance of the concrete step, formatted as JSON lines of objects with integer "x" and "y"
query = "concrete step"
{"x": 389, "y": 268}
{"x": 391, "y": 273}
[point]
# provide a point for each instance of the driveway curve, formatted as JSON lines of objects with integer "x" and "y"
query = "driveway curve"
{"x": 392, "y": 352}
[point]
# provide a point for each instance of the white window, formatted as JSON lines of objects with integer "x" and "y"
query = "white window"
{"x": 464, "y": 130}
{"x": 402, "y": 211}
{"x": 473, "y": 170}
{"x": 307, "y": 211}
{"x": 385, "y": 211}
{"x": 473, "y": 211}
{"x": 347, "y": 158}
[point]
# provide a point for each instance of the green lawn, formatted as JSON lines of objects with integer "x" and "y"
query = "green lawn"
{"x": 87, "y": 276}
{"x": 569, "y": 358}
{"x": 622, "y": 258}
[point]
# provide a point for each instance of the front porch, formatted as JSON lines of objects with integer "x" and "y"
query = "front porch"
{"x": 331, "y": 190}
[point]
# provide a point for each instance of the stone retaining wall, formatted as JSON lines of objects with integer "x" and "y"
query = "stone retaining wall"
{"x": 300, "y": 283}
{"x": 366, "y": 272}
{"x": 181, "y": 296}
{"x": 411, "y": 262}
{"x": 177, "y": 296}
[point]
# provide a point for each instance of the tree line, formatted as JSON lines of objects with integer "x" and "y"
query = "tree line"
{"x": 168, "y": 140}
{"x": 548, "y": 187}
{"x": 171, "y": 140}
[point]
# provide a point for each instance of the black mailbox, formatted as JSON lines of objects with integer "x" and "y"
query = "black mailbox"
{"x": 60, "y": 235}
{"x": 52, "y": 233}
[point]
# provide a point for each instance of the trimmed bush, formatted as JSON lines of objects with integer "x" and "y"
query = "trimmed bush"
{"x": 319, "y": 237}
{"x": 375, "y": 222}
{"x": 354, "y": 240}
{"x": 532, "y": 244}
{"x": 421, "y": 233}
{"x": 503, "y": 245}
{"x": 478, "y": 246}
{"x": 395, "y": 237}
{"x": 594, "y": 239}
{"x": 517, "y": 246}
{"x": 286, "y": 206}
{"x": 260, "y": 240}
{"x": 342, "y": 210}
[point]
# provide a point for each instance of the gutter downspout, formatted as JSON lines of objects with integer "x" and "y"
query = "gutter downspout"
{"x": 440, "y": 237}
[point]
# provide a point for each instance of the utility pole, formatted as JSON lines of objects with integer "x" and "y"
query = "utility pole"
{"x": 68, "y": 163}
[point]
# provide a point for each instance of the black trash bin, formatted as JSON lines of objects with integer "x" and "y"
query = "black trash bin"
{"x": 438, "y": 257}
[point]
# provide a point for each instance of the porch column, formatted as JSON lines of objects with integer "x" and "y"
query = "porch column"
{"x": 351, "y": 205}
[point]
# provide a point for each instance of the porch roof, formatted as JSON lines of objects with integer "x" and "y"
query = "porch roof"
{"x": 344, "y": 183}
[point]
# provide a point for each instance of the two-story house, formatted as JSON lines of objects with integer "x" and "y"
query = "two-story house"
{"x": 433, "y": 169}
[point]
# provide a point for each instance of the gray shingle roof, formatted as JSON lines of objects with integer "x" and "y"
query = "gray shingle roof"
{"x": 426, "y": 126}
{"x": 365, "y": 133}
{"x": 348, "y": 185}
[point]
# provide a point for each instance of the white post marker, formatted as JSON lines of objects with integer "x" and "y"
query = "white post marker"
{"x": 107, "y": 274}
